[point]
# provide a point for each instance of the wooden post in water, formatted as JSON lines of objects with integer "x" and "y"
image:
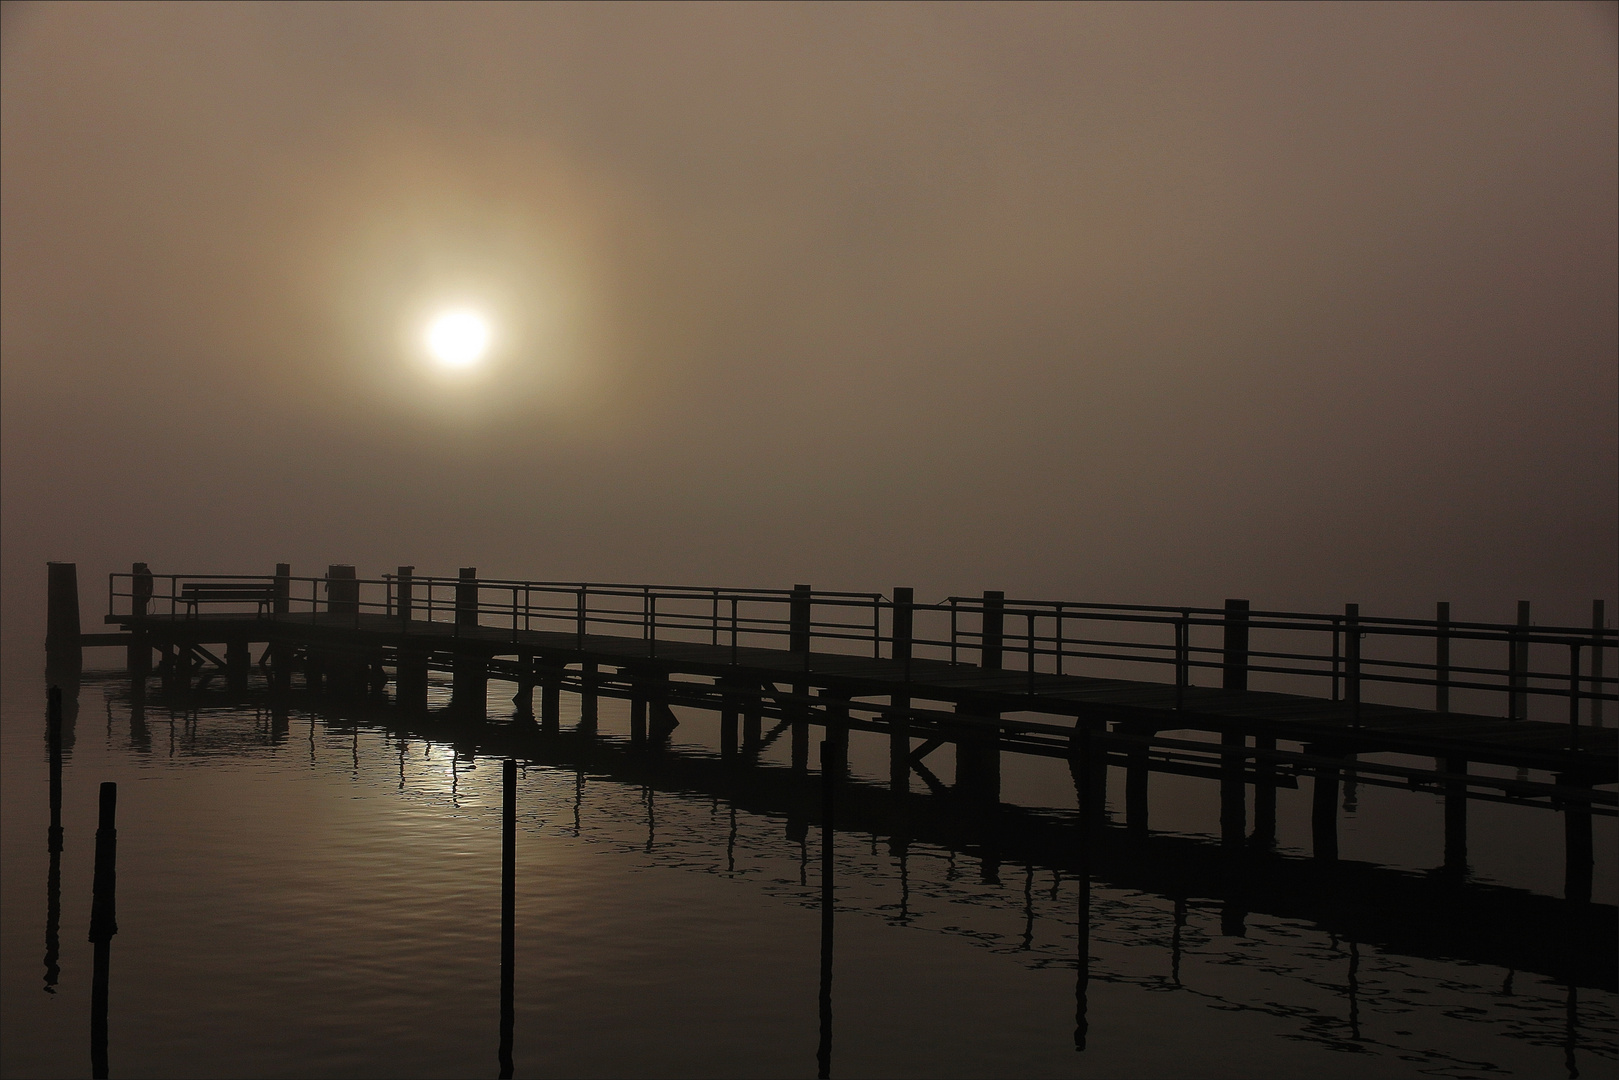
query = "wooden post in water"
{"x": 62, "y": 617}
{"x": 508, "y": 912}
{"x": 638, "y": 709}
{"x": 899, "y": 728}
{"x": 238, "y": 663}
{"x": 1233, "y": 786}
{"x": 1577, "y": 841}
{"x": 752, "y": 724}
{"x": 1456, "y": 815}
{"x": 1324, "y": 806}
{"x": 1264, "y": 834}
{"x": 1234, "y": 657}
{"x": 280, "y": 655}
{"x": 1352, "y": 659}
{"x": 103, "y": 923}
{"x": 978, "y": 754}
{"x": 1135, "y": 782}
{"x": 138, "y": 657}
{"x": 837, "y": 734}
{"x": 523, "y": 700}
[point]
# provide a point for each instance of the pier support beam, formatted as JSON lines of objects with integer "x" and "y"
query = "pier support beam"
{"x": 899, "y": 726}
{"x": 1324, "y": 806}
{"x": 1264, "y": 835}
{"x": 1135, "y": 785}
{"x": 1455, "y": 816}
{"x": 588, "y": 697}
{"x": 1577, "y": 843}
{"x": 550, "y": 676}
{"x": 978, "y": 755}
{"x": 1233, "y": 788}
{"x": 410, "y": 681}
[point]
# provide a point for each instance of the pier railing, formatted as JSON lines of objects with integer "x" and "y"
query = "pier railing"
{"x": 1511, "y": 669}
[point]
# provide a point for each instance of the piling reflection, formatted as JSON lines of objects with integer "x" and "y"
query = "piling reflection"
{"x": 829, "y": 783}
{"x": 103, "y": 924}
{"x": 53, "y": 841}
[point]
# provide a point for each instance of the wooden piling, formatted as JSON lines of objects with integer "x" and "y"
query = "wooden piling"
{"x": 899, "y": 728}
{"x": 523, "y": 700}
{"x": 138, "y": 656}
{"x": 1455, "y": 815}
{"x": 1233, "y": 787}
{"x": 1352, "y": 659}
{"x": 1324, "y": 806}
{"x": 1135, "y": 785}
{"x": 283, "y": 588}
{"x": 978, "y": 754}
{"x": 588, "y": 697}
{"x": 405, "y": 593}
{"x": 1441, "y": 660}
{"x": 799, "y": 619}
{"x": 823, "y": 1054}
{"x": 62, "y": 616}
{"x": 1577, "y": 841}
{"x": 550, "y": 675}
{"x": 1234, "y": 657}
{"x": 1518, "y": 667}
{"x": 1264, "y": 834}
{"x": 470, "y": 691}
{"x": 836, "y": 717}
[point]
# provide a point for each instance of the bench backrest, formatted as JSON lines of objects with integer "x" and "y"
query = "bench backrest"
{"x": 228, "y": 590}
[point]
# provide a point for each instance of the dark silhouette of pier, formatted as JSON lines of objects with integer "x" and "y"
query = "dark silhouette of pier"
{"x": 1252, "y": 700}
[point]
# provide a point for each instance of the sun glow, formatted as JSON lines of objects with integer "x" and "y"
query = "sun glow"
{"x": 458, "y": 339}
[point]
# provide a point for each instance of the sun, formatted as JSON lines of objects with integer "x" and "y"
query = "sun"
{"x": 459, "y": 338}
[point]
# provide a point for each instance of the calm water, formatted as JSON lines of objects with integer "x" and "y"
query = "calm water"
{"x": 318, "y": 895}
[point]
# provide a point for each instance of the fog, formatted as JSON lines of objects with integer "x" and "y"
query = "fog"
{"x": 1134, "y": 303}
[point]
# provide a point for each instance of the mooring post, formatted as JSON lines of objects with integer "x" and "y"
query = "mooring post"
{"x": 992, "y": 630}
{"x": 1577, "y": 841}
{"x": 238, "y": 663}
{"x": 508, "y": 912}
{"x": 139, "y": 654}
{"x": 836, "y": 712}
{"x": 62, "y": 616}
{"x": 798, "y": 619}
{"x": 1234, "y": 658}
{"x": 283, "y": 588}
{"x": 53, "y": 744}
{"x": 899, "y": 725}
{"x": 1324, "y": 805}
{"x": 1456, "y": 814}
{"x": 103, "y": 923}
{"x": 1264, "y": 792}
{"x": 342, "y": 590}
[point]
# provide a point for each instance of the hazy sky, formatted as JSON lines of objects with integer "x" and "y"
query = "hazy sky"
{"x": 1144, "y": 303}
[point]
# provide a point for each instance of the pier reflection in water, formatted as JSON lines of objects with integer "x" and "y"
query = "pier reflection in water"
{"x": 960, "y": 920}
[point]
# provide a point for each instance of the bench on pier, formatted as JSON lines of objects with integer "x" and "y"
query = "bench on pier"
{"x": 194, "y": 593}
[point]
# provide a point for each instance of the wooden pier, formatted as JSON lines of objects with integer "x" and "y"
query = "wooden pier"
{"x": 1253, "y": 700}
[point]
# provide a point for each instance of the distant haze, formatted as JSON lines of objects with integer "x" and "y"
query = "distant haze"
{"x": 1146, "y": 303}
